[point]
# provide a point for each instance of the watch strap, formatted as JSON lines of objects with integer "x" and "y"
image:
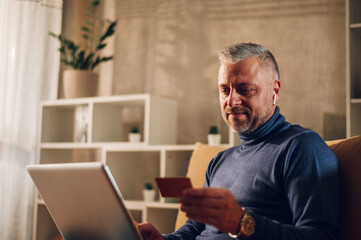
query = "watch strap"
{"x": 247, "y": 226}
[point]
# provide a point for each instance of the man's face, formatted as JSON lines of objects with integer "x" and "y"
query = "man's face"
{"x": 246, "y": 94}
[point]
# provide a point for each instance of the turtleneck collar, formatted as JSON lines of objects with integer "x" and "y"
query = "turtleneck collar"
{"x": 263, "y": 131}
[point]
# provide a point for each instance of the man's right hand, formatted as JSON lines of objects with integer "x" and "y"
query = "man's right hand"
{"x": 148, "y": 231}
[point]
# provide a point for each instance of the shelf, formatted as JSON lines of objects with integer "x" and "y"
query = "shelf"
{"x": 131, "y": 147}
{"x": 110, "y": 145}
{"x": 353, "y": 67}
{"x": 69, "y": 145}
{"x": 356, "y": 28}
{"x": 112, "y": 121}
{"x": 355, "y": 25}
{"x": 109, "y": 119}
{"x": 356, "y": 100}
{"x": 162, "y": 219}
{"x": 163, "y": 205}
{"x": 131, "y": 169}
{"x": 135, "y": 205}
{"x": 96, "y": 130}
{"x": 141, "y": 205}
{"x": 79, "y": 101}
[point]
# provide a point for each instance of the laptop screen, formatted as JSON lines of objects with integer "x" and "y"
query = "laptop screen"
{"x": 84, "y": 201}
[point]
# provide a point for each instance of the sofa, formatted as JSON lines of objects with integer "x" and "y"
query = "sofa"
{"x": 348, "y": 152}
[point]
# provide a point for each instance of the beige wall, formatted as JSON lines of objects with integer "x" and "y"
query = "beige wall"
{"x": 169, "y": 48}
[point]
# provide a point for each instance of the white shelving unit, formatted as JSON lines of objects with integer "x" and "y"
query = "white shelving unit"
{"x": 109, "y": 119}
{"x": 95, "y": 129}
{"x": 353, "y": 68}
{"x": 131, "y": 167}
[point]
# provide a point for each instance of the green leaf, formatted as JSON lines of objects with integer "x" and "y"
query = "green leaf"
{"x": 80, "y": 59}
{"x": 90, "y": 9}
{"x": 110, "y": 31}
{"x": 101, "y": 46}
{"x": 66, "y": 62}
{"x": 86, "y": 63}
{"x": 95, "y": 3}
{"x": 88, "y": 22}
{"x": 86, "y": 29}
{"x": 96, "y": 62}
{"x": 104, "y": 59}
{"x": 53, "y": 34}
{"x": 99, "y": 60}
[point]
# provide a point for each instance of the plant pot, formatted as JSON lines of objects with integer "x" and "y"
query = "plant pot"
{"x": 149, "y": 195}
{"x": 134, "y": 137}
{"x": 214, "y": 139}
{"x": 79, "y": 83}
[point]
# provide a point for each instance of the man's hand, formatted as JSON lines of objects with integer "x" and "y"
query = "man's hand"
{"x": 215, "y": 206}
{"x": 148, "y": 231}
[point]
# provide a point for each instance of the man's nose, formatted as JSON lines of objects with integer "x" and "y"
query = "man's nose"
{"x": 234, "y": 98}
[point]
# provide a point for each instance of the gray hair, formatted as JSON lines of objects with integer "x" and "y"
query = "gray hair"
{"x": 240, "y": 51}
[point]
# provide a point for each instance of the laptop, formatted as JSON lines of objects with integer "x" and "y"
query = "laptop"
{"x": 84, "y": 201}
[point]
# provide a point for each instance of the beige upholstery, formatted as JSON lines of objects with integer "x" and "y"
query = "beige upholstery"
{"x": 348, "y": 152}
{"x": 197, "y": 167}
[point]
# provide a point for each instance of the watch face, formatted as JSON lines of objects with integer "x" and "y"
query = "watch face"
{"x": 248, "y": 225}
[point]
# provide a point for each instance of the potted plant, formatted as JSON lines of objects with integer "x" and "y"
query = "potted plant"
{"x": 80, "y": 81}
{"x": 214, "y": 138}
{"x": 134, "y": 135}
{"x": 148, "y": 192}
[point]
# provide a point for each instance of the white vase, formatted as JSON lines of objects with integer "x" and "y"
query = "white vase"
{"x": 214, "y": 139}
{"x": 78, "y": 83}
{"x": 134, "y": 137}
{"x": 149, "y": 195}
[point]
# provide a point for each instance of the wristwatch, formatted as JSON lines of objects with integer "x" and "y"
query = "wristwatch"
{"x": 247, "y": 225}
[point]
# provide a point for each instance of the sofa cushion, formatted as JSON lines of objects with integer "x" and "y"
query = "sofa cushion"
{"x": 201, "y": 156}
{"x": 348, "y": 152}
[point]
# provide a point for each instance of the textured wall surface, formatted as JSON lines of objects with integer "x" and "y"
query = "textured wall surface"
{"x": 169, "y": 48}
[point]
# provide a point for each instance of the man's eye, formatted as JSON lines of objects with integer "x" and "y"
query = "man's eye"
{"x": 246, "y": 91}
{"x": 224, "y": 91}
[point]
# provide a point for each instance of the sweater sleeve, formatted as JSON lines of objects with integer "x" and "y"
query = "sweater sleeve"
{"x": 190, "y": 230}
{"x": 310, "y": 178}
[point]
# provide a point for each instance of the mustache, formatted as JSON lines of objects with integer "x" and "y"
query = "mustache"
{"x": 235, "y": 110}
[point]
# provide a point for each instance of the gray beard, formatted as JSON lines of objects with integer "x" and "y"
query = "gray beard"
{"x": 248, "y": 126}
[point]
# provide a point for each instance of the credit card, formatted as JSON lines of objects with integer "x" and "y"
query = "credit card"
{"x": 173, "y": 186}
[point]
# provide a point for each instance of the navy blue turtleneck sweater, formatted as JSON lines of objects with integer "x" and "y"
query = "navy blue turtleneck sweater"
{"x": 286, "y": 176}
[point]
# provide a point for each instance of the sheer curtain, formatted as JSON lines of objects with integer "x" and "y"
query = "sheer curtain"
{"x": 29, "y": 67}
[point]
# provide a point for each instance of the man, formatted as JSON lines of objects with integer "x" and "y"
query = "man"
{"x": 281, "y": 183}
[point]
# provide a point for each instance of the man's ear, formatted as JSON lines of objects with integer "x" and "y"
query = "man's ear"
{"x": 276, "y": 90}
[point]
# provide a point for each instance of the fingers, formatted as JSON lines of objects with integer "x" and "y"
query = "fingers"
{"x": 203, "y": 211}
{"x": 149, "y": 232}
{"x": 205, "y": 207}
{"x": 216, "y": 198}
{"x": 213, "y": 206}
{"x": 205, "y": 192}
